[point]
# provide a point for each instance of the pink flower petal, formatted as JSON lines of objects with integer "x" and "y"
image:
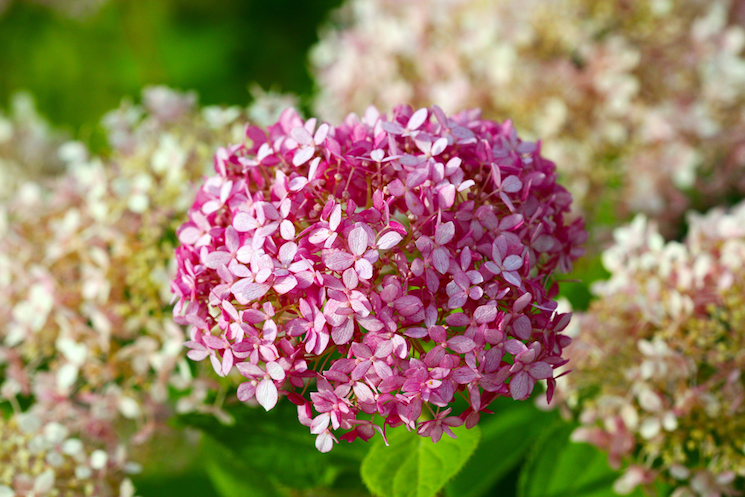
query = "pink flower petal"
{"x": 541, "y": 370}
{"x": 444, "y": 233}
{"x": 339, "y": 261}
{"x": 255, "y": 291}
{"x": 266, "y": 394}
{"x": 521, "y": 385}
{"x": 417, "y": 119}
{"x": 461, "y": 344}
{"x": 522, "y": 327}
{"x": 358, "y": 241}
{"x": 343, "y": 334}
{"x": 389, "y": 240}
{"x": 441, "y": 259}
{"x": 246, "y": 391}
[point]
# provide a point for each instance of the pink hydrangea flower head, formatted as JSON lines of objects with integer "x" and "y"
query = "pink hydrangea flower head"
{"x": 378, "y": 268}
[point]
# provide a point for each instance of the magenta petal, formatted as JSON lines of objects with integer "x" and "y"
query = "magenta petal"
{"x": 512, "y": 184}
{"x": 521, "y": 385}
{"x": 370, "y": 323}
{"x": 446, "y": 196}
{"x": 541, "y": 370}
{"x": 444, "y": 233}
{"x": 339, "y": 261}
{"x": 320, "y": 423}
{"x": 515, "y": 347}
{"x": 301, "y": 135}
{"x": 441, "y": 260}
{"x": 249, "y": 370}
{"x": 382, "y": 369}
{"x": 512, "y": 278}
{"x": 461, "y": 344}
{"x": 475, "y": 292}
{"x": 364, "y": 269}
{"x": 513, "y": 263}
{"x": 522, "y": 328}
{"x": 303, "y": 155}
{"x": 463, "y": 375}
{"x": 189, "y": 235}
{"x": 438, "y": 334}
{"x": 416, "y": 332}
{"x": 417, "y": 119}
{"x": 457, "y": 301}
{"x": 243, "y": 222}
{"x": 360, "y": 370}
{"x": 363, "y": 393}
{"x": 246, "y": 391}
{"x": 217, "y": 258}
{"x": 414, "y": 203}
{"x": 197, "y": 355}
{"x": 343, "y": 334}
{"x": 396, "y": 188}
{"x": 275, "y": 371}
{"x": 255, "y": 291}
{"x": 358, "y": 241}
{"x": 227, "y": 362}
{"x": 493, "y": 359}
{"x": 285, "y": 284}
{"x": 389, "y": 240}
{"x": 485, "y": 314}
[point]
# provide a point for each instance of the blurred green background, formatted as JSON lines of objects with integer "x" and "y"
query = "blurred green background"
{"x": 79, "y": 67}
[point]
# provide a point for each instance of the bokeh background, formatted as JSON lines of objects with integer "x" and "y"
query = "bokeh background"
{"x": 641, "y": 101}
{"x": 78, "y": 60}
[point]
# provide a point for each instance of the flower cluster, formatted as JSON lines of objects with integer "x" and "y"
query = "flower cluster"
{"x": 85, "y": 266}
{"x": 380, "y": 267}
{"x": 640, "y": 94}
{"x": 658, "y": 359}
{"x": 47, "y": 453}
{"x": 28, "y": 146}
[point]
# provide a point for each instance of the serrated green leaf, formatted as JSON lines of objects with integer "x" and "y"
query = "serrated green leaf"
{"x": 278, "y": 447}
{"x": 558, "y": 467}
{"x": 413, "y": 466}
{"x": 506, "y": 436}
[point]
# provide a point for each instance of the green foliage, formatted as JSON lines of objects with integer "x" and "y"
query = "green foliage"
{"x": 506, "y": 437}
{"x": 412, "y": 466}
{"x": 270, "y": 450}
{"x": 187, "y": 483}
{"x": 78, "y": 69}
{"x": 575, "y": 286}
{"x": 557, "y": 467}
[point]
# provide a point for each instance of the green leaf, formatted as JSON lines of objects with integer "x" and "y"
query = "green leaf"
{"x": 506, "y": 436}
{"x": 558, "y": 467}
{"x": 281, "y": 450}
{"x": 232, "y": 475}
{"x": 413, "y": 466}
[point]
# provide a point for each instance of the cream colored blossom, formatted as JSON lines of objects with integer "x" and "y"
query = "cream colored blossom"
{"x": 638, "y": 103}
{"x": 85, "y": 265}
{"x": 657, "y": 362}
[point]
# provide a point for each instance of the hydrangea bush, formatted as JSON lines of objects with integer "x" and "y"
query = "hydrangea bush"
{"x": 85, "y": 264}
{"x": 658, "y": 358}
{"x": 372, "y": 271}
{"x": 642, "y": 106}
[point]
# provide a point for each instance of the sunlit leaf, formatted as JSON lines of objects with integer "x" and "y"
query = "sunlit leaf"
{"x": 559, "y": 468}
{"x": 413, "y": 466}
